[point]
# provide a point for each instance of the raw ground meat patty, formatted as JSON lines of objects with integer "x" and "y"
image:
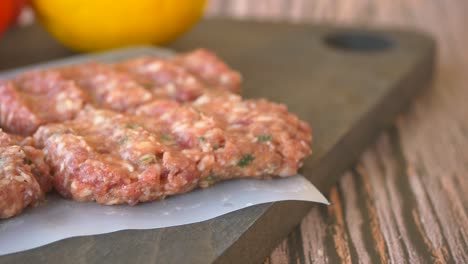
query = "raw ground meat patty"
{"x": 169, "y": 148}
{"x": 210, "y": 69}
{"x": 24, "y": 177}
{"x": 183, "y": 78}
{"x": 164, "y": 79}
{"x": 107, "y": 87}
{"x": 230, "y": 138}
{"x": 45, "y": 96}
{"x": 37, "y": 98}
{"x": 262, "y": 123}
{"x": 113, "y": 158}
{"x": 140, "y": 130}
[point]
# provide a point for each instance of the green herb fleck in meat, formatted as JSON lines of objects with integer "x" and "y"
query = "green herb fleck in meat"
{"x": 131, "y": 126}
{"x": 147, "y": 159}
{"x": 202, "y": 138}
{"x": 52, "y": 133}
{"x": 246, "y": 160}
{"x": 147, "y": 86}
{"x": 166, "y": 137}
{"x": 264, "y": 138}
{"x": 211, "y": 178}
{"x": 28, "y": 161}
{"x": 215, "y": 147}
{"x": 123, "y": 140}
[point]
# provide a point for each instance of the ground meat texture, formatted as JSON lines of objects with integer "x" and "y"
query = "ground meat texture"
{"x": 107, "y": 87}
{"x": 23, "y": 176}
{"x": 37, "y": 98}
{"x": 170, "y": 126}
{"x": 264, "y": 124}
{"x": 164, "y": 78}
{"x": 211, "y": 69}
{"x": 42, "y": 97}
{"x": 112, "y": 158}
{"x": 230, "y": 138}
{"x": 194, "y": 134}
{"x": 15, "y": 115}
{"x": 35, "y": 158}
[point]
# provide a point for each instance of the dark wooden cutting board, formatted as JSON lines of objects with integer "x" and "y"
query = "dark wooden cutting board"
{"x": 349, "y": 83}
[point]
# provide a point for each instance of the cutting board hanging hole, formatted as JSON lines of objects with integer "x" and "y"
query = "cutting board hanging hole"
{"x": 358, "y": 42}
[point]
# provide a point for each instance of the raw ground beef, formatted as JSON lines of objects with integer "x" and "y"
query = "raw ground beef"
{"x": 211, "y": 69}
{"x": 165, "y": 79}
{"x": 139, "y": 130}
{"x": 45, "y": 96}
{"x": 230, "y": 138}
{"x": 113, "y": 158}
{"x": 37, "y": 98}
{"x": 107, "y": 87}
{"x": 24, "y": 177}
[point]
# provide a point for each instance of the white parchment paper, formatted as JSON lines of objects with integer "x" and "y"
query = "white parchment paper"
{"x": 59, "y": 218}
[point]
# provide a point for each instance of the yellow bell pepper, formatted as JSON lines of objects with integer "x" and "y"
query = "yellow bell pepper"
{"x": 91, "y": 25}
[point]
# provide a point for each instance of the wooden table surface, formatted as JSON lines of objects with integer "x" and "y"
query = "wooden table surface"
{"x": 406, "y": 199}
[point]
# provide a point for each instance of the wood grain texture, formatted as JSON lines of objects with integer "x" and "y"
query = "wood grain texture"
{"x": 405, "y": 201}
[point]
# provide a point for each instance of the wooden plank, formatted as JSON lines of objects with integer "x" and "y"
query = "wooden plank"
{"x": 427, "y": 145}
{"x": 347, "y": 94}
